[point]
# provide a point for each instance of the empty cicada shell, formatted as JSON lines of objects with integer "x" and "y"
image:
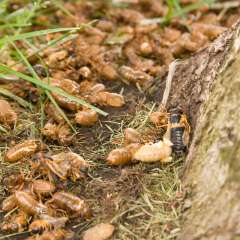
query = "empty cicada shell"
{"x": 7, "y": 114}
{"x": 22, "y": 150}
{"x": 50, "y": 130}
{"x": 71, "y": 203}
{"x": 61, "y": 172}
{"x": 210, "y": 30}
{"x": 64, "y": 134}
{"x": 124, "y": 155}
{"x": 119, "y": 156}
{"x": 14, "y": 182}
{"x": 159, "y": 118}
{"x": 107, "y": 99}
{"x": 9, "y": 203}
{"x": 55, "y": 58}
{"x": 100, "y": 231}
{"x": 42, "y": 187}
{"x": 153, "y": 152}
{"x": 47, "y": 223}
{"x": 135, "y": 76}
{"x": 17, "y": 222}
{"x": 66, "y": 102}
{"x": 72, "y": 163}
{"x": 53, "y": 113}
{"x": 86, "y": 117}
{"x": 132, "y": 136}
{"x": 85, "y": 72}
{"x": 67, "y": 85}
{"x": 61, "y": 132}
{"x": 29, "y": 205}
{"x": 99, "y": 87}
{"x": 76, "y": 160}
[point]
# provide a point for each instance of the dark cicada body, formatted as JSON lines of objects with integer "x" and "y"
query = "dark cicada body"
{"x": 179, "y": 131}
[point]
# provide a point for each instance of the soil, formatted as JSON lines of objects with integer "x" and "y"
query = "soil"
{"x": 120, "y": 37}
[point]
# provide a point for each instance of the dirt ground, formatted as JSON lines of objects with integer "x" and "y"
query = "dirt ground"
{"x": 127, "y": 46}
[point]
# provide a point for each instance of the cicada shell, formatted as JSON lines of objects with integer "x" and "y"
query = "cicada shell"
{"x": 39, "y": 225}
{"x": 132, "y": 136}
{"x": 9, "y": 203}
{"x": 64, "y": 134}
{"x": 50, "y": 130}
{"x": 56, "y": 169}
{"x": 43, "y": 187}
{"x": 133, "y": 147}
{"x": 107, "y": 99}
{"x": 135, "y": 76}
{"x": 159, "y": 118}
{"x": 85, "y": 87}
{"x": 17, "y": 222}
{"x": 85, "y": 72}
{"x": 74, "y": 159}
{"x": 99, "y": 87}
{"x": 71, "y": 203}
{"x": 119, "y": 156}
{"x": 29, "y": 205}
{"x": 58, "y": 234}
{"x": 53, "y": 113}
{"x": 86, "y": 117}
{"x": 100, "y": 231}
{"x": 47, "y": 223}
{"x": 210, "y": 30}
{"x": 7, "y": 114}
{"x": 22, "y": 150}
{"x": 72, "y": 163}
{"x": 67, "y": 85}
{"x": 153, "y": 152}
{"x": 65, "y": 102}
{"x": 55, "y": 57}
{"x": 146, "y": 48}
{"x": 14, "y": 182}
{"x": 61, "y": 133}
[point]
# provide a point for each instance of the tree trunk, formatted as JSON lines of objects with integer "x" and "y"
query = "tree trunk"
{"x": 208, "y": 86}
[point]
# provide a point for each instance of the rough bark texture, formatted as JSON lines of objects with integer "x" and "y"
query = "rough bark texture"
{"x": 211, "y": 93}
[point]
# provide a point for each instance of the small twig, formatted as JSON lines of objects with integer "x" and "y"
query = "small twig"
{"x": 171, "y": 71}
{"x": 226, "y": 5}
{"x": 10, "y": 212}
{"x": 13, "y": 235}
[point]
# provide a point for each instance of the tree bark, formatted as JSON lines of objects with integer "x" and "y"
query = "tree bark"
{"x": 208, "y": 86}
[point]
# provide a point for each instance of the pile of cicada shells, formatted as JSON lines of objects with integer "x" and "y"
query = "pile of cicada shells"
{"x": 56, "y": 128}
{"x": 119, "y": 48}
{"x": 34, "y": 202}
{"x": 136, "y": 150}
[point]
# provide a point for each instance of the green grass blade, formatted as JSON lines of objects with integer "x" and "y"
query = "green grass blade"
{"x": 22, "y": 36}
{"x": 21, "y": 101}
{"x": 47, "y": 93}
{"x": 2, "y": 129}
{"x": 178, "y": 8}
{"x": 12, "y": 25}
{"x": 60, "y": 111}
{"x": 64, "y": 38}
{"x": 60, "y": 5}
{"x": 5, "y": 70}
